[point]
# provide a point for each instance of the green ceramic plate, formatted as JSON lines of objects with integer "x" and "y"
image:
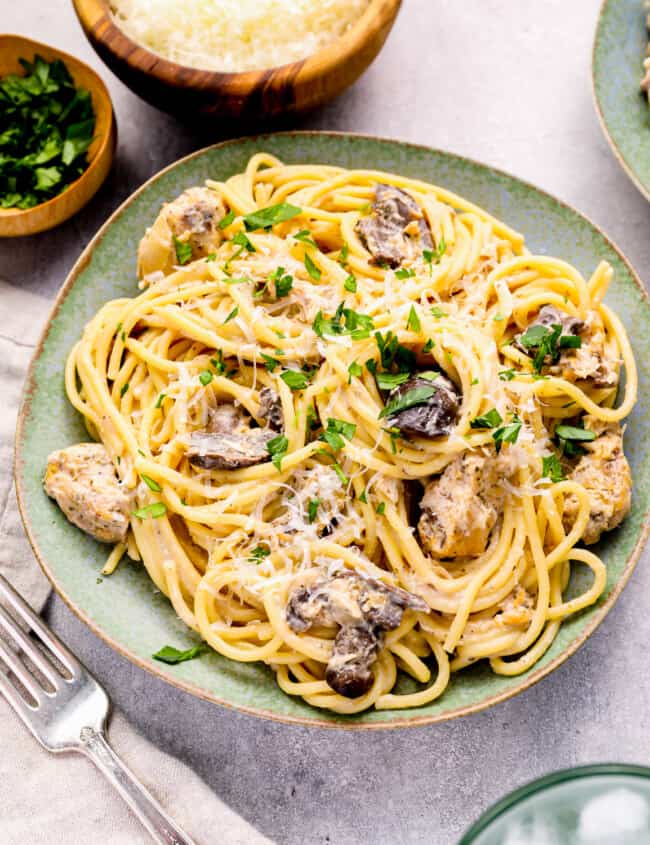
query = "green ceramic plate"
{"x": 125, "y": 609}
{"x": 619, "y": 51}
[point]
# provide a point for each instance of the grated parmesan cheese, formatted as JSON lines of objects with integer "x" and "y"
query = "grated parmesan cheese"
{"x": 236, "y": 35}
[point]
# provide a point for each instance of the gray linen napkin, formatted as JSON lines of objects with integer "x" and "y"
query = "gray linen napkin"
{"x": 46, "y": 798}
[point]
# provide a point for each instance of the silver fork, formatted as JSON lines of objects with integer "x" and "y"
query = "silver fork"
{"x": 70, "y": 715}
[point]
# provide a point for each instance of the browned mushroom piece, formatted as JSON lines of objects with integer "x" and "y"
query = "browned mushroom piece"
{"x": 229, "y": 441}
{"x": 433, "y": 417}
{"x": 271, "y": 409}
{"x": 396, "y": 228}
{"x": 363, "y": 608}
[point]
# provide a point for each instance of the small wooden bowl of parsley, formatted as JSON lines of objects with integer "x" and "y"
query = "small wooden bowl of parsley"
{"x": 57, "y": 135}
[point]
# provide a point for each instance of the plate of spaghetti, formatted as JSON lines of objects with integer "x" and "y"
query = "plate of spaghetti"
{"x": 343, "y": 447}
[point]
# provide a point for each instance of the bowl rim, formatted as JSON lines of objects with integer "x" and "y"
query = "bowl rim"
{"x": 543, "y": 783}
{"x": 609, "y": 137}
{"x": 311, "y": 67}
{"x": 191, "y": 687}
{"x": 107, "y": 140}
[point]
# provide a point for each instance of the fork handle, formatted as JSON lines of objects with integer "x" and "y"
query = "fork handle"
{"x": 162, "y": 829}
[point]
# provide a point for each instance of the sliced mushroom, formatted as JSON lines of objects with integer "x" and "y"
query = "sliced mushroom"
{"x": 237, "y": 450}
{"x": 363, "y": 608}
{"x": 271, "y": 409}
{"x": 396, "y": 229}
{"x": 83, "y": 482}
{"x": 435, "y": 416}
{"x": 192, "y": 218}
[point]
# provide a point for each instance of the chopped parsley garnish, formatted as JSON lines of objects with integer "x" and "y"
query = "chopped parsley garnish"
{"x": 491, "y": 419}
{"x": 437, "y": 312}
{"x": 151, "y": 484}
{"x": 232, "y": 315}
{"x": 311, "y": 268}
{"x": 345, "y": 321}
{"x": 259, "y": 553}
{"x": 392, "y": 352}
{"x": 305, "y": 237}
{"x": 404, "y": 273}
{"x": 432, "y": 256}
{"x": 172, "y": 656}
{"x": 312, "y": 509}
{"x": 277, "y": 449}
{"x": 354, "y": 370}
{"x": 211, "y": 256}
{"x": 363, "y": 498}
{"x": 350, "y": 284}
{"x": 123, "y": 389}
{"x": 413, "y": 322}
{"x": 552, "y": 468}
{"x": 417, "y": 396}
{"x": 569, "y": 437}
{"x": 507, "y": 375}
{"x": 46, "y": 127}
{"x": 428, "y": 346}
{"x": 312, "y": 418}
{"x": 226, "y": 220}
{"x": 498, "y": 318}
{"x": 339, "y": 471}
{"x": 205, "y": 377}
{"x": 343, "y": 255}
{"x": 387, "y": 381}
{"x": 267, "y": 217}
{"x": 295, "y": 379}
{"x": 283, "y": 282}
{"x": 153, "y": 511}
{"x": 270, "y": 363}
{"x": 507, "y": 433}
{"x": 547, "y": 342}
{"x": 243, "y": 241}
{"x": 474, "y": 381}
{"x": 183, "y": 250}
{"x": 371, "y": 366}
{"x": 335, "y": 432}
{"x": 219, "y": 365}
{"x": 381, "y": 507}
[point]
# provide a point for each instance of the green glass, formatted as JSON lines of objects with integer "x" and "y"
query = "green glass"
{"x": 606, "y": 804}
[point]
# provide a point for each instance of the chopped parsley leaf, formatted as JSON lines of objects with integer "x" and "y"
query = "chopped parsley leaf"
{"x": 170, "y": 655}
{"x": 404, "y": 273}
{"x": 552, "y": 468}
{"x": 259, "y": 553}
{"x": 507, "y": 375}
{"x": 413, "y": 322}
{"x": 428, "y": 346}
{"x": 350, "y": 284}
{"x": 507, "y": 433}
{"x": 265, "y": 218}
{"x": 283, "y": 282}
{"x": 232, "y": 315}
{"x": 226, "y": 220}
{"x": 354, "y": 370}
{"x": 336, "y": 428}
{"x": 432, "y": 256}
{"x": 438, "y": 312}
{"x": 311, "y": 268}
{"x": 160, "y": 400}
{"x": 345, "y": 321}
{"x": 305, "y": 237}
{"x": 381, "y": 507}
{"x": 123, "y": 389}
{"x": 312, "y": 509}
{"x": 153, "y": 511}
{"x": 417, "y": 396}
{"x": 205, "y": 377}
{"x": 270, "y": 363}
{"x": 277, "y": 449}
{"x": 569, "y": 436}
{"x": 491, "y": 419}
{"x": 183, "y": 250}
{"x": 387, "y": 381}
{"x": 363, "y": 498}
{"x": 295, "y": 379}
{"x": 151, "y": 484}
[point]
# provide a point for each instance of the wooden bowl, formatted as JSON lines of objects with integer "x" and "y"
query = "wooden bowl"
{"x": 190, "y": 92}
{"x": 28, "y": 221}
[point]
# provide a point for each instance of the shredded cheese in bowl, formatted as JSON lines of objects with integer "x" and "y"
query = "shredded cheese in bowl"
{"x": 236, "y": 35}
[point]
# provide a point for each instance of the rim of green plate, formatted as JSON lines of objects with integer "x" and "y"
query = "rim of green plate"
{"x": 641, "y": 187}
{"x": 193, "y": 689}
{"x": 546, "y": 782}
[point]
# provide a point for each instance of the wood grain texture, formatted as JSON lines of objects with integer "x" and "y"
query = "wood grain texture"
{"x": 17, "y": 222}
{"x": 191, "y": 92}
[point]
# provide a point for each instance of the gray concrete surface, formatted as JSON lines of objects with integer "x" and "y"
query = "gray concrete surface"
{"x": 507, "y": 82}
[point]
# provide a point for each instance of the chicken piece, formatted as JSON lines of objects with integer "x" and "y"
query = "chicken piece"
{"x": 271, "y": 409}
{"x": 192, "y": 218}
{"x": 82, "y": 481}
{"x": 461, "y": 507}
{"x": 588, "y": 362}
{"x": 432, "y": 417}
{"x": 516, "y": 609}
{"x": 363, "y": 608}
{"x": 396, "y": 229}
{"x": 605, "y": 473}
